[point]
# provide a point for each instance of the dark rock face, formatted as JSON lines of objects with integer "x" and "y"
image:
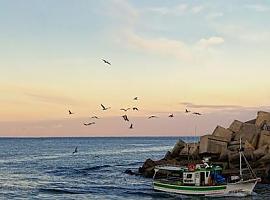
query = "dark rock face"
{"x": 223, "y": 146}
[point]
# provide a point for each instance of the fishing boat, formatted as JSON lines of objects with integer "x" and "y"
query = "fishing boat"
{"x": 204, "y": 179}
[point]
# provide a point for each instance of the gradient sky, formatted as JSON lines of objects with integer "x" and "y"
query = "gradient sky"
{"x": 210, "y": 56}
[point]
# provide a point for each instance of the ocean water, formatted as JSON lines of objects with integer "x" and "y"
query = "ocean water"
{"x": 45, "y": 168}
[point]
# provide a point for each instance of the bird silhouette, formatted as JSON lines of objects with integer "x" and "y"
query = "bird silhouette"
{"x": 152, "y": 116}
{"x": 104, "y": 108}
{"x": 125, "y": 118}
{"x": 196, "y": 113}
{"x": 75, "y": 150}
{"x": 106, "y": 62}
{"x": 125, "y": 109}
{"x": 187, "y": 111}
{"x": 90, "y": 123}
{"x": 69, "y": 112}
{"x": 134, "y": 108}
{"x": 94, "y": 117}
{"x": 135, "y": 98}
{"x": 131, "y": 126}
{"x": 171, "y": 115}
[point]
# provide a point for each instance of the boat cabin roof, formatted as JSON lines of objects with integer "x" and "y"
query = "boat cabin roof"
{"x": 171, "y": 168}
{"x": 185, "y": 169}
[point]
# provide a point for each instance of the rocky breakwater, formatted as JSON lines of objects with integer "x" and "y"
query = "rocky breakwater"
{"x": 222, "y": 146}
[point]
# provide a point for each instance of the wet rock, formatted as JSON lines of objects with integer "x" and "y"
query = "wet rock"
{"x": 129, "y": 172}
{"x": 168, "y": 155}
{"x": 178, "y": 147}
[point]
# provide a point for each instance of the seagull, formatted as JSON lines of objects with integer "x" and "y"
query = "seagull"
{"x": 131, "y": 126}
{"x": 104, "y": 108}
{"x": 196, "y": 113}
{"x": 135, "y": 98}
{"x": 76, "y": 150}
{"x": 135, "y": 109}
{"x": 70, "y": 112}
{"x": 106, "y": 62}
{"x": 152, "y": 116}
{"x": 125, "y": 109}
{"x": 90, "y": 123}
{"x": 125, "y": 118}
{"x": 171, "y": 115}
{"x": 94, "y": 117}
{"x": 187, "y": 111}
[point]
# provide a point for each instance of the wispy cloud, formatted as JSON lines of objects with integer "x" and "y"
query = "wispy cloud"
{"x": 50, "y": 98}
{"x": 258, "y": 7}
{"x": 214, "y": 15}
{"x": 207, "y": 42}
{"x": 176, "y": 10}
{"x": 238, "y": 108}
{"x": 210, "y": 106}
{"x": 159, "y": 45}
{"x": 197, "y": 9}
{"x": 166, "y": 46}
{"x": 245, "y": 34}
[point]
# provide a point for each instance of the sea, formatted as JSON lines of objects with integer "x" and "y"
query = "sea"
{"x": 46, "y": 168}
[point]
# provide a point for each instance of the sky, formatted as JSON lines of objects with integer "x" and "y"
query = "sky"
{"x": 208, "y": 56}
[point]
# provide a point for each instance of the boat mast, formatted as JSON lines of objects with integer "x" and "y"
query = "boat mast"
{"x": 240, "y": 157}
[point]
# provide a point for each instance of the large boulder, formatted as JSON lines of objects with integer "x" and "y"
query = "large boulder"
{"x": 248, "y": 132}
{"x": 264, "y": 138}
{"x": 191, "y": 150}
{"x": 178, "y": 147}
{"x": 260, "y": 152}
{"x": 235, "y": 126}
{"x": 265, "y": 126}
{"x": 234, "y": 145}
{"x": 262, "y": 117}
{"x": 224, "y": 155}
{"x": 264, "y": 160}
{"x": 223, "y": 132}
{"x": 210, "y": 144}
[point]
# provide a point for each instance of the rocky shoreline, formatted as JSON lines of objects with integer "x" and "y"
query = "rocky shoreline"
{"x": 222, "y": 146}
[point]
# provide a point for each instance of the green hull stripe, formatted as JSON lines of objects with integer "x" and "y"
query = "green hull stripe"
{"x": 193, "y": 188}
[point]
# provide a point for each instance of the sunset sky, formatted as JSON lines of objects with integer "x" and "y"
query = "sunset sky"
{"x": 207, "y": 56}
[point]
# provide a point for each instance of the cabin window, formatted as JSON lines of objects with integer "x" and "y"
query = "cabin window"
{"x": 189, "y": 175}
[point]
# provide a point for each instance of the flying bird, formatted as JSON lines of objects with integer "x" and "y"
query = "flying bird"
{"x": 134, "y": 108}
{"x": 171, "y": 115}
{"x": 90, "y": 123}
{"x": 131, "y": 126}
{"x": 187, "y": 111}
{"x": 94, "y": 117}
{"x": 125, "y": 118}
{"x": 196, "y": 113}
{"x": 69, "y": 112}
{"x": 106, "y": 62}
{"x": 125, "y": 109}
{"x": 152, "y": 116}
{"x": 75, "y": 151}
{"x": 104, "y": 108}
{"x": 135, "y": 98}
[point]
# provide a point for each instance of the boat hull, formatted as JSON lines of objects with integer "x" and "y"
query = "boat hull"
{"x": 244, "y": 187}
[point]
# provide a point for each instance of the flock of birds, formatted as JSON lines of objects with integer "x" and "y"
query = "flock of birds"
{"x": 125, "y": 116}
